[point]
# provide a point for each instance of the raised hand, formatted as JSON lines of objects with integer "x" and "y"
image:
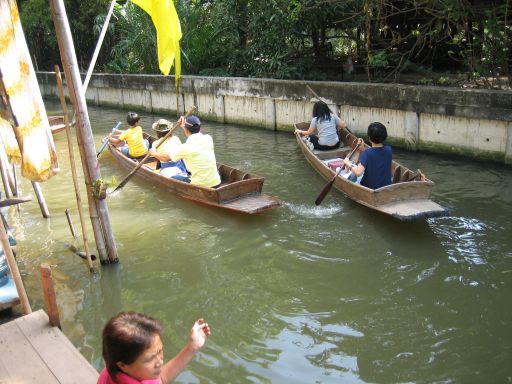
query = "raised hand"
{"x": 198, "y": 334}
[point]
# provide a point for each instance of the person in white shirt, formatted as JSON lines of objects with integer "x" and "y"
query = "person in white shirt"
{"x": 322, "y": 131}
{"x": 167, "y": 167}
{"x": 197, "y": 153}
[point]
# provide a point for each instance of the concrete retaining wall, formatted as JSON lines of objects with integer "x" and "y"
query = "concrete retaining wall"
{"x": 477, "y": 123}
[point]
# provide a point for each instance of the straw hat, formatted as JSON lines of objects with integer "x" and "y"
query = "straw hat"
{"x": 161, "y": 125}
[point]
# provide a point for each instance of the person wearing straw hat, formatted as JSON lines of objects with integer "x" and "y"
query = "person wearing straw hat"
{"x": 167, "y": 167}
{"x": 197, "y": 153}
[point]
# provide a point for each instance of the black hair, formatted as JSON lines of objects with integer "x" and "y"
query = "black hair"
{"x": 193, "y": 128}
{"x": 125, "y": 337}
{"x": 321, "y": 111}
{"x": 377, "y": 132}
{"x": 132, "y": 118}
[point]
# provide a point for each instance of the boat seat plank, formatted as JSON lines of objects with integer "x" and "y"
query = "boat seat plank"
{"x": 151, "y": 164}
{"x": 20, "y": 359}
{"x": 332, "y": 153}
{"x": 55, "y": 350}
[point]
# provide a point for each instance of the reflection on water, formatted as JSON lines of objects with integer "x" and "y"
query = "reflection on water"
{"x": 327, "y": 294}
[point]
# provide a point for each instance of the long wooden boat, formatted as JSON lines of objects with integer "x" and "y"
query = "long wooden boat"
{"x": 239, "y": 191}
{"x": 407, "y": 198}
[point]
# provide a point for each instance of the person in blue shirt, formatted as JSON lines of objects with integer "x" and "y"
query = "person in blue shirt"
{"x": 375, "y": 162}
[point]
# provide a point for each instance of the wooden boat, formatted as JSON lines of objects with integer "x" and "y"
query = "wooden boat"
{"x": 56, "y": 124}
{"x": 406, "y": 198}
{"x": 239, "y": 191}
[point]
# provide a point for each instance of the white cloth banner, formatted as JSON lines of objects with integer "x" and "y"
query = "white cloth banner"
{"x": 38, "y": 155}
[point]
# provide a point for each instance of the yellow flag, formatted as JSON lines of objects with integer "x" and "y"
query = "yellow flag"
{"x": 168, "y": 33}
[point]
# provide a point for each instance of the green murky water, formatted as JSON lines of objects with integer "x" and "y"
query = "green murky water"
{"x": 302, "y": 294}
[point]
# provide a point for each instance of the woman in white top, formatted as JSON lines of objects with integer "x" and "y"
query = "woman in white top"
{"x": 324, "y": 124}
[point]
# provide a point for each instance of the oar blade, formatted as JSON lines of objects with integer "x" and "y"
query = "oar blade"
{"x": 121, "y": 185}
{"x": 324, "y": 192}
{"x": 105, "y": 143}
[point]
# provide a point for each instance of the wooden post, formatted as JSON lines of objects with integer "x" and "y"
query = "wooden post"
{"x": 5, "y": 177}
{"x": 70, "y": 224}
{"x": 15, "y": 272}
{"x": 13, "y": 180}
{"x": 9, "y": 173}
{"x": 73, "y": 171}
{"x": 50, "y": 299}
{"x": 40, "y": 199}
{"x": 98, "y": 208}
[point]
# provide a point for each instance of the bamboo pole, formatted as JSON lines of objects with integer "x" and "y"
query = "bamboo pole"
{"x": 5, "y": 178}
{"x": 11, "y": 176}
{"x": 71, "y": 228}
{"x": 40, "y": 199}
{"x": 98, "y": 45}
{"x": 13, "y": 180}
{"x": 73, "y": 169}
{"x": 98, "y": 208}
{"x": 15, "y": 272}
{"x": 50, "y": 298}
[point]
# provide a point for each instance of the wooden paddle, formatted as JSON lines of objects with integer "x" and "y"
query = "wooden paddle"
{"x": 105, "y": 143}
{"x": 141, "y": 163}
{"x": 328, "y": 186}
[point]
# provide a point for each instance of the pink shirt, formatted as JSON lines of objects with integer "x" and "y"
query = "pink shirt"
{"x": 122, "y": 378}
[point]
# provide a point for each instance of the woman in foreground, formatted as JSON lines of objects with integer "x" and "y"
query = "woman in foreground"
{"x": 133, "y": 350}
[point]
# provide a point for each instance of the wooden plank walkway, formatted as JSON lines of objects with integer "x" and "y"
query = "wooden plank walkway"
{"x": 32, "y": 351}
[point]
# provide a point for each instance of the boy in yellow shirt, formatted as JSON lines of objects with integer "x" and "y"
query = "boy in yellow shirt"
{"x": 131, "y": 141}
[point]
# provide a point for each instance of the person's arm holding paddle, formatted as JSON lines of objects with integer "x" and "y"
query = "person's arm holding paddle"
{"x": 113, "y": 138}
{"x": 313, "y": 125}
{"x": 341, "y": 124}
{"x": 325, "y": 190}
{"x": 164, "y": 156}
{"x": 358, "y": 169}
{"x": 311, "y": 131}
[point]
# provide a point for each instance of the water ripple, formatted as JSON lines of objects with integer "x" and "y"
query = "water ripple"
{"x": 465, "y": 238}
{"x": 312, "y": 211}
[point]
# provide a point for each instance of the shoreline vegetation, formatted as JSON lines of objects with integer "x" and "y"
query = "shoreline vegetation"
{"x": 449, "y": 43}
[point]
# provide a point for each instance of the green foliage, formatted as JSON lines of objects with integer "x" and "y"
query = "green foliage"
{"x": 444, "y": 80}
{"x": 426, "y": 81}
{"x": 292, "y": 39}
{"x": 379, "y": 60}
{"x": 40, "y": 33}
{"x": 134, "y": 50}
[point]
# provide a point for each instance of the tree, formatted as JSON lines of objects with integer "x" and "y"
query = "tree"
{"x": 40, "y": 33}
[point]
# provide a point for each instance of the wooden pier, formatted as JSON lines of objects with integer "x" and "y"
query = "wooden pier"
{"x": 32, "y": 351}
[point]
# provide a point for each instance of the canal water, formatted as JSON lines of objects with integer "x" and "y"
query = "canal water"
{"x": 302, "y": 294}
